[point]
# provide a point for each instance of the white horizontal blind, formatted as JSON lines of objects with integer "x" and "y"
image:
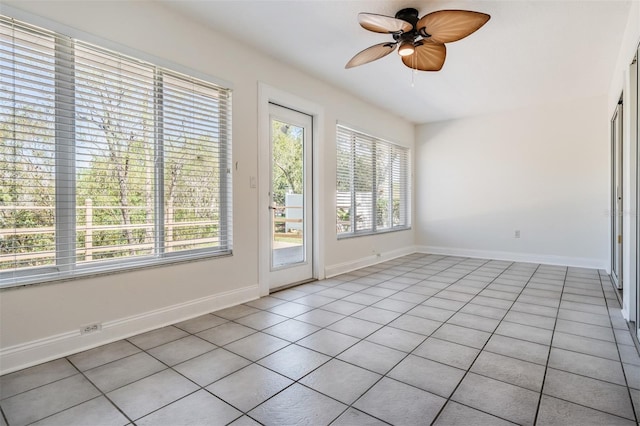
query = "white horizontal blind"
{"x": 384, "y": 185}
{"x": 196, "y": 159}
{"x": 106, "y": 161}
{"x": 114, "y": 168}
{"x": 372, "y": 184}
{"x": 27, "y": 147}
{"x": 399, "y": 176}
{"x": 345, "y": 189}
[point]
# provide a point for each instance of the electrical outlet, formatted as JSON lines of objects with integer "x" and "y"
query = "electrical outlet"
{"x": 91, "y": 328}
{"x": 516, "y": 234}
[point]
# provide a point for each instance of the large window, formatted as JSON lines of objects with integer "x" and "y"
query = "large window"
{"x": 372, "y": 184}
{"x": 106, "y": 162}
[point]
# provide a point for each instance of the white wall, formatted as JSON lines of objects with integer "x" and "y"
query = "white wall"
{"x": 543, "y": 171}
{"x": 42, "y": 321}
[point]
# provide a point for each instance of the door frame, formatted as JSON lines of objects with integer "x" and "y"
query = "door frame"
{"x": 631, "y": 178}
{"x": 617, "y": 190}
{"x": 631, "y": 238}
{"x": 634, "y": 139}
{"x": 268, "y": 94}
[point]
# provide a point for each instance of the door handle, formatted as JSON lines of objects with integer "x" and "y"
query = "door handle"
{"x": 272, "y": 208}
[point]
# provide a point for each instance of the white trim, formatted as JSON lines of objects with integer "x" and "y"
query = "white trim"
{"x": 580, "y": 262}
{"x": 267, "y": 94}
{"x": 49, "y": 348}
{"x": 363, "y": 262}
{"x": 625, "y": 314}
{"x": 630, "y": 179}
{"x": 618, "y": 222}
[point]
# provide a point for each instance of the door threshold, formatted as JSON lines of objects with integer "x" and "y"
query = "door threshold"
{"x": 288, "y": 286}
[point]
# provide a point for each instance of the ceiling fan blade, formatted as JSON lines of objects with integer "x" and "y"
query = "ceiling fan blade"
{"x": 427, "y": 57}
{"x": 383, "y": 24}
{"x": 371, "y": 54}
{"x": 446, "y": 26}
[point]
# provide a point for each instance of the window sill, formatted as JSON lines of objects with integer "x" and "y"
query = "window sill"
{"x": 370, "y": 233}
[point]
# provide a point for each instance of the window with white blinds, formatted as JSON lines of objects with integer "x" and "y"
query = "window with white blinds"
{"x": 372, "y": 184}
{"x": 106, "y": 162}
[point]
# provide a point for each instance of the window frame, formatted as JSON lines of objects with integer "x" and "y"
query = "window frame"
{"x": 356, "y": 136}
{"x": 65, "y": 265}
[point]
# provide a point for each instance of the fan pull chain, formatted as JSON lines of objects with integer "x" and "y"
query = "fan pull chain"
{"x": 414, "y": 71}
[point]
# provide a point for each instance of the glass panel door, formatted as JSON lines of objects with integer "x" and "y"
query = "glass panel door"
{"x": 290, "y": 195}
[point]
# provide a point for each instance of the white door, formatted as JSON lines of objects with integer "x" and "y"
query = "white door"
{"x": 616, "y": 192}
{"x": 290, "y": 209}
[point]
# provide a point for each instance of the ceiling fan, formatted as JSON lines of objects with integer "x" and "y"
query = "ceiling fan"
{"x": 420, "y": 40}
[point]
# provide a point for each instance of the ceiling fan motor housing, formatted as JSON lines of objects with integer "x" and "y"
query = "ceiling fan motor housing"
{"x": 409, "y": 15}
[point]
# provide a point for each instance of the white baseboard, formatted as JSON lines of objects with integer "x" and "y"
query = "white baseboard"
{"x": 38, "y": 351}
{"x": 625, "y": 313}
{"x": 579, "y": 262}
{"x": 363, "y": 262}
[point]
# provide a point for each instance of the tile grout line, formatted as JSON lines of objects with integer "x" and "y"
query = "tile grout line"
{"x": 297, "y": 381}
{"x": 99, "y": 390}
{"x": 81, "y": 373}
{"x": 363, "y": 339}
{"x": 400, "y": 272}
{"x": 199, "y": 387}
{"x": 141, "y": 351}
{"x": 145, "y": 351}
{"x": 383, "y": 325}
{"x": 256, "y": 361}
{"x": 168, "y": 367}
{"x": 178, "y": 339}
{"x": 546, "y": 367}
{"x": 468, "y": 370}
{"x": 426, "y": 337}
{"x": 348, "y": 406}
{"x": 387, "y": 325}
{"x": 624, "y": 374}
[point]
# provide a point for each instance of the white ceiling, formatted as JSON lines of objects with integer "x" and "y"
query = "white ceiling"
{"x": 530, "y": 53}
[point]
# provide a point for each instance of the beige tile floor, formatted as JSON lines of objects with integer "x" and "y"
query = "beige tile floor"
{"x": 419, "y": 340}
